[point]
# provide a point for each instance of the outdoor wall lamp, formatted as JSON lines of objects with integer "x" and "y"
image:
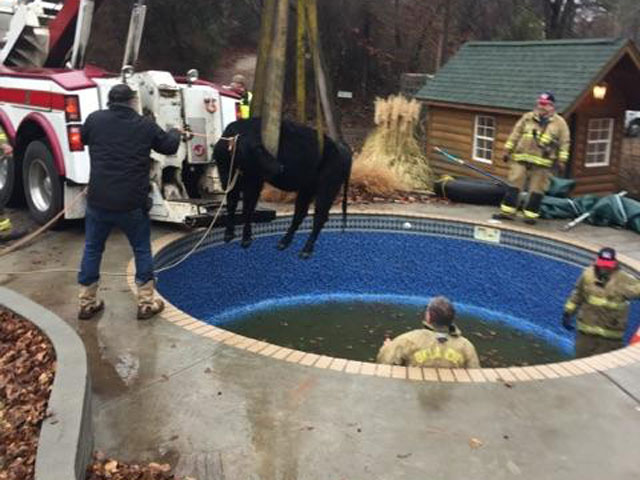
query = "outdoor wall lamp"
{"x": 600, "y": 91}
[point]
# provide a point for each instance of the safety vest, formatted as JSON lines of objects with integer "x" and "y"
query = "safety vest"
{"x": 603, "y": 309}
{"x": 531, "y": 142}
{"x": 245, "y": 106}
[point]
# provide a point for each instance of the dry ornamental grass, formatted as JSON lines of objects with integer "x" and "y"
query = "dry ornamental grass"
{"x": 391, "y": 164}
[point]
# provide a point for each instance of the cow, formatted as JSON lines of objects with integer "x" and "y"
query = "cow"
{"x": 301, "y": 166}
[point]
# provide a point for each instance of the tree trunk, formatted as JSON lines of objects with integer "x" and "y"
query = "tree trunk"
{"x": 444, "y": 37}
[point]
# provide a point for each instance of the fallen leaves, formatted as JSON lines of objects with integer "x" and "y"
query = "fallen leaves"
{"x": 104, "y": 468}
{"x": 27, "y": 367}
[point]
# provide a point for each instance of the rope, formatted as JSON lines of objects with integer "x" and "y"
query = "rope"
{"x": 230, "y": 186}
{"x": 443, "y": 181}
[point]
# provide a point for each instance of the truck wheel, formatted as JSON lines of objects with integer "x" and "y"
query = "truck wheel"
{"x": 7, "y": 178}
{"x": 42, "y": 184}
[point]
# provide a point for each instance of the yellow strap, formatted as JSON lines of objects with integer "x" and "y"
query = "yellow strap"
{"x": 444, "y": 179}
{"x": 530, "y": 214}
{"x": 603, "y": 302}
{"x": 599, "y": 331}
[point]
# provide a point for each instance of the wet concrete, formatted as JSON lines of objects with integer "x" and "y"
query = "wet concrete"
{"x": 161, "y": 393}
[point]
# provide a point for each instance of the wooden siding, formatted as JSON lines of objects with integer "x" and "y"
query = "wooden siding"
{"x": 599, "y": 180}
{"x": 453, "y": 130}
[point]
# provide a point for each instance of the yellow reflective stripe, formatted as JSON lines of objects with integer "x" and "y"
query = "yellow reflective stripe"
{"x": 599, "y": 331}
{"x": 5, "y": 224}
{"x": 3, "y": 137}
{"x": 603, "y": 302}
{"x": 563, "y": 155}
{"x": 435, "y": 353}
{"x": 545, "y": 138}
{"x": 507, "y": 209}
{"x": 508, "y": 145}
{"x": 530, "y": 214}
{"x": 526, "y": 157}
{"x": 570, "y": 306}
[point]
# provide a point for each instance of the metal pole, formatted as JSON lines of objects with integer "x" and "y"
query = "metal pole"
{"x": 461, "y": 162}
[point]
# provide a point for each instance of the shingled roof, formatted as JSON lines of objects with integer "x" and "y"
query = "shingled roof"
{"x": 509, "y": 75}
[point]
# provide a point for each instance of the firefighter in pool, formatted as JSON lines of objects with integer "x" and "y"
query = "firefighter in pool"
{"x": 601, "y": 300}
{"x": 439, "y": 344}
{"x": 539, "y": 142}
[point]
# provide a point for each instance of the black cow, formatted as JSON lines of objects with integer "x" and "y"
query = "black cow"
{"x": 298, "y": 168}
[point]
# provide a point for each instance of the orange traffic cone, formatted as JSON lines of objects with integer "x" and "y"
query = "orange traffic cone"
{"x": 636, "y": 338}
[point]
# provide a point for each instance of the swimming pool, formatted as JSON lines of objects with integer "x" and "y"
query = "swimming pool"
{"x": 499, "y": 276}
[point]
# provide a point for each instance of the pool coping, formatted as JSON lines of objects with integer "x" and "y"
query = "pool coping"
{"x": 619, "y": 358}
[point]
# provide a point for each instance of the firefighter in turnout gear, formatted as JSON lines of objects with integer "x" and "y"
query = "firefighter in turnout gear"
{"x": 439, "y": 345}
{"x": 239, "y": 86}
{"x": 539, "y": 141}
{"x": 601, "y": 300}
{"x": 6, "y": 150}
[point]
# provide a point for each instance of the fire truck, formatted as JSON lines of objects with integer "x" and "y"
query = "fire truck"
{"x": 47, "y": 90}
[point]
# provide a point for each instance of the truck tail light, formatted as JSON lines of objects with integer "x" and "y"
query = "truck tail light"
{"x": 75, "y": 138}
{"x": 72, "y": 108}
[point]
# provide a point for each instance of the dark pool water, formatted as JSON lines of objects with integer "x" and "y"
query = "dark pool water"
{"x": 356, "y": 330}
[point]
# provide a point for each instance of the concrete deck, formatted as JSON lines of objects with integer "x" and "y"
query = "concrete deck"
{"x": 216, "y": 412}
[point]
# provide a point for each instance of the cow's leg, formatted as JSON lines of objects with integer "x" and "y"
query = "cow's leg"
{"x": 328, "y": 189}
{"x": 303, "y": 200}
{"x": 232, "y": 204}
{"x": 252, "y": 189}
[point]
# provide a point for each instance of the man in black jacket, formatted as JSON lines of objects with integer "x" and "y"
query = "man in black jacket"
{"x": 120, "y": 142}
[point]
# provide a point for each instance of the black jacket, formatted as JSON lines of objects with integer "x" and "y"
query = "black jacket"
{"x": 120, "y": 142}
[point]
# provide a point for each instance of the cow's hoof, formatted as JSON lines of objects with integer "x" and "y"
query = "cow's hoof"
{"x": 305, "y": 255}
{"x": 282, "y": 245}
{"x": 228, "y": 236}
{"x": 246, "y": 242}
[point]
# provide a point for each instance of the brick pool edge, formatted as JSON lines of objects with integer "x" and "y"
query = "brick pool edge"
{"x": 619, "y": 358}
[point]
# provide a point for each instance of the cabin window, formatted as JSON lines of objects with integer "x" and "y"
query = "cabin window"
{"x": 483, "y": 138}
{"x": 599, "y": 137}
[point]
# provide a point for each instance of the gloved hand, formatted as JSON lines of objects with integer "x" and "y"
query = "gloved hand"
{"x": 506, "y": 158}
{"x": 566, "y": 321}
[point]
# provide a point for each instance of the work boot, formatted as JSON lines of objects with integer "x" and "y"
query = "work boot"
{"x": 89, "y": 303}
{"x": 148, "y": 306}
{"x": 530, "y": 221}
{"x": 503, "y": 216}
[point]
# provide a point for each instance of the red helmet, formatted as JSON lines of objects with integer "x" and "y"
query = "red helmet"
{"x": 607, "y": 258}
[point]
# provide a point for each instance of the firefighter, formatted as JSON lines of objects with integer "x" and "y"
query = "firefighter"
{"x": 120, "y": 141}
{"x": 239, "y": 86}
{"x": 539, "y": 142}
{"x": 439, "y": 344}
{"x": 7, "y": 151}
{"x": 601, "y": 300}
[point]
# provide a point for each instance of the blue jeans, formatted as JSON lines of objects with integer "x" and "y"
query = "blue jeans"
{"x": 98, "y": 225}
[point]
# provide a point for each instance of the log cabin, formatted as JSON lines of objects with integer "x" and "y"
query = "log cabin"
{"x": 474, "y": 101}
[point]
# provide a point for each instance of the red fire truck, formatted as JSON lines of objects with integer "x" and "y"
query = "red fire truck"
{"x": 46, "y": 91}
